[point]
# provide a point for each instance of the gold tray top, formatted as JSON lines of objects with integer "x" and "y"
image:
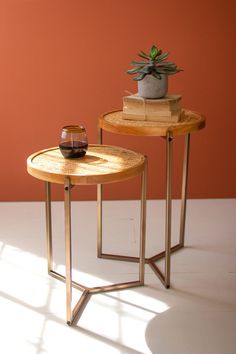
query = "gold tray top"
{"x": 189, "y": 122}
{"x": 101, "y": 164}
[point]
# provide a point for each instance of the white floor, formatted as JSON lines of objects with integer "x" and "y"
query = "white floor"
{"x": 197, "y": 315}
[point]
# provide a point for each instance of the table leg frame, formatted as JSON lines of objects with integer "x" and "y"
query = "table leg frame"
{"x": 72, "y": 314}
{"x": 164, "y": 277}
{"x": 184, "y": 190}
{"x": 48, "y": 224}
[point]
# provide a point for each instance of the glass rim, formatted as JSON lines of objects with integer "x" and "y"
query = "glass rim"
{"x": 73, "y": 129}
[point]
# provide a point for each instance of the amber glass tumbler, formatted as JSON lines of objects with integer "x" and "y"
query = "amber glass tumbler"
{"x": 74, "y": 142}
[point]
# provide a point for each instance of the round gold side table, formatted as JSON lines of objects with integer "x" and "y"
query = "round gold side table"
{"x": 101, "y": 164}
{"x": 189, "y": 123}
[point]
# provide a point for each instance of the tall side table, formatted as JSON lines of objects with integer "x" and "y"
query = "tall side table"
{"x": 189, "y": 122}
{"x": 101, "y": 164}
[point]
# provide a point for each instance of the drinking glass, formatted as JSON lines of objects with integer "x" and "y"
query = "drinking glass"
{"x": 74, "y": 142}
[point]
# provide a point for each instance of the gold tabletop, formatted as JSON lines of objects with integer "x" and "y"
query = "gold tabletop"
{"x": 101, "y": 164}
{"x": 189, "y": 122}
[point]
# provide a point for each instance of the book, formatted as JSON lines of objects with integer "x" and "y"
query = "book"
{"x": 167, "y": 109}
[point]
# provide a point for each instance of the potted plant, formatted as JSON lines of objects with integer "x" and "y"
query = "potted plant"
{"x": 152, "y": 73}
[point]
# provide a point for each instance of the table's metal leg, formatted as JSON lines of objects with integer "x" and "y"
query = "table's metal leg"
{"x": 184, "y": 190}
{"x": 169, "y": 163}
{"x": 99, "y": 135}
{"x": 99, "y": 220}
{"x": 99, "y": 207}
{"x": 48, "y": 224}
{"x": 67, "y": 207}
{"x": 143, "y": 224}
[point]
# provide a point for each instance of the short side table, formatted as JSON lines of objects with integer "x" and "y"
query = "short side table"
{"x": 189, "y": 122}
{"x": 101, "y": 164}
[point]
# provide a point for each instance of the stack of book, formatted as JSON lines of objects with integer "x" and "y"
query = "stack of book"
{"x": 167, "y": 109}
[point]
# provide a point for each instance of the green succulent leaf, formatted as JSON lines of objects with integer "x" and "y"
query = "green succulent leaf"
{"x": 166, "y": 69}
{"x": 143, "y": 55}
{"x": 168, "y": 63}
{"x": 163, "y": 56}
{"x": 171, "y": 72}
{"x": 139, "y": 77}
{"x": 133, "y": 71}
{"x": 146, "y": 70}
{"x": 160, "y": 70}
{"x": 156, "y": 75}
{"x": 153, "y": 52}
{"x": 174, "y": 71}
{"x": 138, "y": 63}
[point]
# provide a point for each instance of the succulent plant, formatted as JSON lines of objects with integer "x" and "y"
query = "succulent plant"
{"x": 153, "y": 64}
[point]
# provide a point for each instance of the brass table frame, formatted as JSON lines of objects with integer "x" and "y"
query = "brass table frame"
{"x": 166, "y": 254}
{"x": 72, "y": 314}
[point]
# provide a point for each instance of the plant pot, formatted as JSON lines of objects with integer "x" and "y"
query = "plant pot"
{"x": 151, "y": 87}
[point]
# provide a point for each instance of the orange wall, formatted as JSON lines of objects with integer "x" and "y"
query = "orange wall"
{"x": 64, "y": 61}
